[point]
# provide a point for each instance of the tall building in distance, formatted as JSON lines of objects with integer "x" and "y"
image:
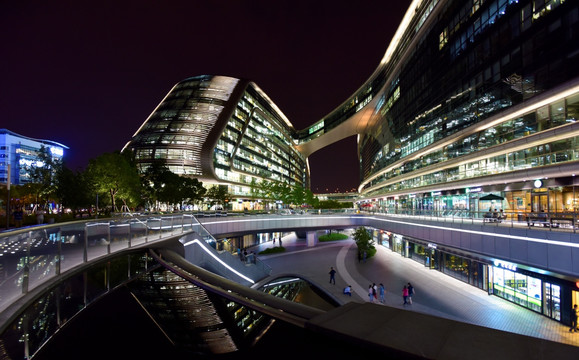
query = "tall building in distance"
{"x": 221, "y": 130}
{"x": 19, "y": 153}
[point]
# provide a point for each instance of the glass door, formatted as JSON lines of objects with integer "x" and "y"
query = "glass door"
{"x": 552, "y": 305}
{"x": 540, "y": 203}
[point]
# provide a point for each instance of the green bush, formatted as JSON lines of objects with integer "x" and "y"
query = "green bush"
{"x": 332, "y": 237}
{"x": 274, "y": 250}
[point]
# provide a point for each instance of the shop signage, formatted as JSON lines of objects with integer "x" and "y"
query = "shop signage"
{"x": 474, "y": 189}
{"x": 538, "y": 183}
{"x": 505, "y": 265}
{"x": 432, "y": 246}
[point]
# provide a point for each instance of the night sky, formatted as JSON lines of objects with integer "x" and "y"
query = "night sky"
{"x": 88, "y": 76}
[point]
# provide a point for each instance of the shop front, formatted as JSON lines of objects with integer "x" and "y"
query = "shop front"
{"x": 548, "y": 295}
{"x": 540, "y": 293}
{"x": 471, "y": 271}
{"x": 559, "y": 197}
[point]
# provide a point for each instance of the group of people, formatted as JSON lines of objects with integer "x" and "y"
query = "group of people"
{"x": 376, "y": 293}
{"x": 245, "y": 257}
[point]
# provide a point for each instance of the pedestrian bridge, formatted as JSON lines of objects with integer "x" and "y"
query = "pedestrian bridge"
{"x": 45, "y": 267}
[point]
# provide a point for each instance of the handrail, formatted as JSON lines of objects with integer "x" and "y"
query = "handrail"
{"x": 266, "y": 268}
{"x": 551, "y": 220}
{"x": 282, "y": 309}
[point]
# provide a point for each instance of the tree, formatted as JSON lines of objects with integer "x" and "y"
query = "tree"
{"x": 298, "y": 195}
{"x": 192, "y": 190}
{"x": 116, "y": 175}
{"x": 281, "y": 192}
{"x": 311, "y": 199}
{"x": 160, "y": 185}
{"x": 364, "y": 242}
{"x": 73, "y": 190}
{"x": 218, "y": 195}
{"x": 43, "y": 175}
{"x": 264, "y": 189}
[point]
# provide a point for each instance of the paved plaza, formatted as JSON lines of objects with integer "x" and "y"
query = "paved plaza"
{"x": 436, "y": 293}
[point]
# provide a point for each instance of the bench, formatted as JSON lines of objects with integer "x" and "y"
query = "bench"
{"x": 543, "y": 219}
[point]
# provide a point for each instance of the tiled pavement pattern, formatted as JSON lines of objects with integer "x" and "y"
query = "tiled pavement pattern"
{"x": 436, "y": 294}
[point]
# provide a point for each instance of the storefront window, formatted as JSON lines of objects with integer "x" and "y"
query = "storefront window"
{"x": 419, "y": 253}
{"x": 518, "y": 288}
{"x": 456, "y": 267}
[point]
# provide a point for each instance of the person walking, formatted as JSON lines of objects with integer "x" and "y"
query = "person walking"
{"x": 405, "y": 294}
{"x": 348, "y": 290}
{"x": 574, "y": 314}
{"x": 381, "y": 290}
{"x": 332, "y": 276}
{"x": 375, "y": 291}
{"x": 410, "y": 293}
{"x": 370, "y": 293}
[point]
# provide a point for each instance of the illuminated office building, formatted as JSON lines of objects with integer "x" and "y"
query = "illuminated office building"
{"x": 21, "y": 153}
{"x": 221, "y": 130}
{"x": 473, "y": 98}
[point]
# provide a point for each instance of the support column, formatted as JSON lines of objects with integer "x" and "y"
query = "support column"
{"x": 311, "y": 238}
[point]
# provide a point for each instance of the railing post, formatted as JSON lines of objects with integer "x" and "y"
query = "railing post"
{"x": 58, "y": 252}
{"x": 109, "y": 238}
{"x": 130, "y": 236}
{"x": 146, "y": 230}
{"x": 26, "y": 272}
{"x": 26, "y": 335}
{"x": 85, "y": 250}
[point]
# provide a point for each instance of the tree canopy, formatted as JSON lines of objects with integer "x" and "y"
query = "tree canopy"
{"x": 364, "y": 241}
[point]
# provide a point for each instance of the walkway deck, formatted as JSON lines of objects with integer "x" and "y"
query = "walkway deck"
{"x": 436, "y": 294}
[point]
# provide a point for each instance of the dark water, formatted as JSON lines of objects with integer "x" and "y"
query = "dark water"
{"x": 117, "y": 328}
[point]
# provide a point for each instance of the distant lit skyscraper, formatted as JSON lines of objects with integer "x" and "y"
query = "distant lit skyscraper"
{"x": 21, "y": 152}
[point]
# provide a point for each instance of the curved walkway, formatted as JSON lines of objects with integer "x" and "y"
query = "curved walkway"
{"x": 436, "y": 294}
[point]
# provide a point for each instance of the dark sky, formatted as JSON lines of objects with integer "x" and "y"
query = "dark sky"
{"x": 88, "y": 76}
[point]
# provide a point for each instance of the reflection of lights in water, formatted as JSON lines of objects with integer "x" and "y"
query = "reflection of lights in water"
{"x": 282, "y": 282}
{"x": 219, "y": 260}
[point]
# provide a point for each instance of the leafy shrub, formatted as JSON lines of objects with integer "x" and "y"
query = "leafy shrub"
{"x": 274, "y": 250}
{"x": 332, "y": 237}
